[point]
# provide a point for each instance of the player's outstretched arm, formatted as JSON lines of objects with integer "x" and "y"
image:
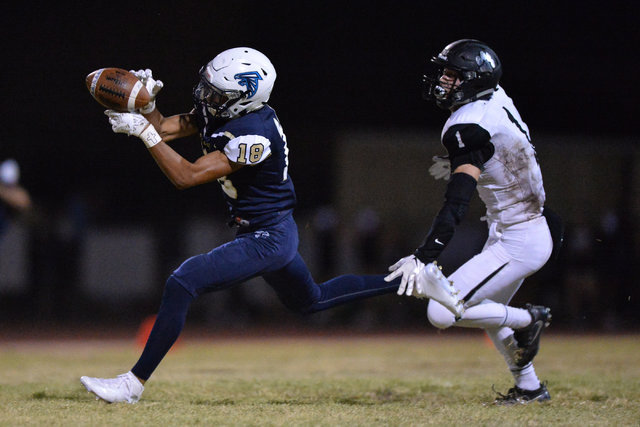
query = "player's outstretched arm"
{"x": 173, "y": 127}
{"x": 182, "y": 173}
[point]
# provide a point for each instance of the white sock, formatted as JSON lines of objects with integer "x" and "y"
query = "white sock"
{"x": 492, "y": 315}
{"x": 526, "y": 377}
{"x": 517, "y": 317}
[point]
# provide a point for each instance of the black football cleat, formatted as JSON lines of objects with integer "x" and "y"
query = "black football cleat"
{"x": 518, "y": 396}
{"x": 528, "y": 338}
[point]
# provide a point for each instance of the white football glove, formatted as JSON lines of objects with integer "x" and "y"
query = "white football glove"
{"x": 129, "y": 123}
{"x": 408, "y": 267}
{"x": 133, "y": 124}
{"x": 153, "y": 87}
{"x": 441, "y": 167}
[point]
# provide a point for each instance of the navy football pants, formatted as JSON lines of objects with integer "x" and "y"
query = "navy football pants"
{"x": 270, "y": 252}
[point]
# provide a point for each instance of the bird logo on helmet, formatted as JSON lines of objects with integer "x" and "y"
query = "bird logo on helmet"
{"x": 250, "y": 81}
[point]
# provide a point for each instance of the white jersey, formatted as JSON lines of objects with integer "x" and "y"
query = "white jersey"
{"x": 491, "y": 135}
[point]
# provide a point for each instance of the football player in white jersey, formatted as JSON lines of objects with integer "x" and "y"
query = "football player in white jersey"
{"x": 489, "y": 149}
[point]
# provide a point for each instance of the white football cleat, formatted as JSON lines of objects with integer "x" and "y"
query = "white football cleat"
{"x": 431, "y": 283}
{"x": 123, "y": 388}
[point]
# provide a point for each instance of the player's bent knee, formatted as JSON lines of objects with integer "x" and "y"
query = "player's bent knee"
{"x": 174, "y": 289}
{"x": 439, "y": 316}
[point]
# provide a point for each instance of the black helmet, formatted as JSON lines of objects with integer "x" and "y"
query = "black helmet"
{"x": 477, "y": 66}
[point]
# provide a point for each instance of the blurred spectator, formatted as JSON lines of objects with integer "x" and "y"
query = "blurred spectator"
{"x": 12, "y": 195}
{"x": 55, "y": 239}
{"x": 15, "y": 203}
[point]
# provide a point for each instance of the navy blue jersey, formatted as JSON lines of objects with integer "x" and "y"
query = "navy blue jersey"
{"x": 257, "y": 142}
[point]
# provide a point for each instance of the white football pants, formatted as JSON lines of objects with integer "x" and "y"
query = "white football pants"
{"x": 489, "y": 280}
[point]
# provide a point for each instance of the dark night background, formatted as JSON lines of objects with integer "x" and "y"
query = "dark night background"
{"x": 570, "y": 66}
{"x": 340, "y": 65}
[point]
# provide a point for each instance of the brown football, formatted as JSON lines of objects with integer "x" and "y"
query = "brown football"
{"x": 117, "y": 89}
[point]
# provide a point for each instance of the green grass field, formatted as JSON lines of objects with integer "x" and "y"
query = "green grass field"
{"x": 440, "y": 379}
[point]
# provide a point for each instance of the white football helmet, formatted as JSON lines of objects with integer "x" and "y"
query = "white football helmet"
{"x": 237, "y": 81}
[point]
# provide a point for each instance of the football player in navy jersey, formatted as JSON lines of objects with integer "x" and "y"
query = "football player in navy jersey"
{"x": 489, "y": 149}
{"x": 245, "y": 150}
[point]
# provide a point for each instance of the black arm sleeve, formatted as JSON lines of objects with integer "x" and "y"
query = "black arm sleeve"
{"x": 468, "y": 143}
{"x": 459, "y": 191}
